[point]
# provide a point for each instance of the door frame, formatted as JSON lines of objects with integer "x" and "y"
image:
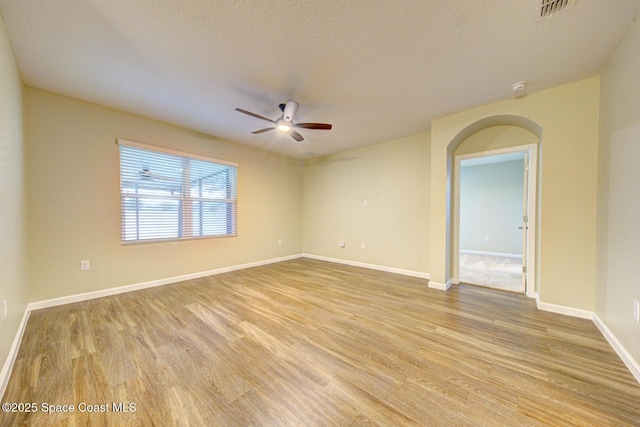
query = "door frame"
{"x": 532, "y": 209}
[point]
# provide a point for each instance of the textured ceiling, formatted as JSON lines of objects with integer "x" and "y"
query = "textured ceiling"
{"x": 377, "y": 70}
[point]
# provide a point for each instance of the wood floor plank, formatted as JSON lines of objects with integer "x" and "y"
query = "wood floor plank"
{"x": 307, "y": 342}
{"x": 365, "y": 408}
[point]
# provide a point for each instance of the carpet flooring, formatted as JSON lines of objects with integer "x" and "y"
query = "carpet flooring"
{"x": 491, "y": 271}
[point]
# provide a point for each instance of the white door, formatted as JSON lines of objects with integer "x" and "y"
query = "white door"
{"x": 525, "y": 219}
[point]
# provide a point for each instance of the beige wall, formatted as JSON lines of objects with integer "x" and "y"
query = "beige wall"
{"x": 13, "y": 212}
{"x": 568, "y": 119}
{"x": 393, "y": 177}
{"x": 619, "y": 193}
{"x": 74, "y": 204}
{"x": 495, "y": 138}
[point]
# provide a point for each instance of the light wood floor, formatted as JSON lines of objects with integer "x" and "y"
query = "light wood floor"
{"x": 307, "y": 343}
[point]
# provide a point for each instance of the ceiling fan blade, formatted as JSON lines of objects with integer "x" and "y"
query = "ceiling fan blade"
{"x": 295, "y": 135}
{"x": 320, "y": 126}
{"x": 255, "y": 132}
{"x": 253, "y": 114}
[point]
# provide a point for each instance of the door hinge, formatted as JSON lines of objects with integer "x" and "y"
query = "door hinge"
{"x": 525, "y": 218}
{"x": 524, "y": 269}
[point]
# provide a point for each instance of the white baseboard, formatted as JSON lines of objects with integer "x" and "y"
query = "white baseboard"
{"x": 13, "y": 353}
{"x": 617, "y": 346}
{"x": 561, "y": 309}
{"x": 440, "y": 286}
{"x": 627, "y": 359}
{"x": 411, "y": 273}
{"x": 465, "y": 251}
{"x": 153, "y": 283}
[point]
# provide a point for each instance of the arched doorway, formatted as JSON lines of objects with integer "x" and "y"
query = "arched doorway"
{"x": 532, "y": 146}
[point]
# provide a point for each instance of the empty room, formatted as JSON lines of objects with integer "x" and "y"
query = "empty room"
{"x": 266, "y": 213}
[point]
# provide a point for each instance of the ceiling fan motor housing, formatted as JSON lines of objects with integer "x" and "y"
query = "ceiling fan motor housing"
{"x": 290, "y": 110}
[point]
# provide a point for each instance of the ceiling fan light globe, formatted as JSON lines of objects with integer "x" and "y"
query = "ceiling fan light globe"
{"x": 283, "y": 125}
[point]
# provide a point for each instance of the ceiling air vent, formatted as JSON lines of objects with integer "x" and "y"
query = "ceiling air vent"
{"x": 549, "y": 7}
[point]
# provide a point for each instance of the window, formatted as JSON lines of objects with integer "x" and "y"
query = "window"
{"x": 169, "y": 195}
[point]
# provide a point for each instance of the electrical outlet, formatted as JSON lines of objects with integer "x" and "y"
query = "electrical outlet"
{"x": 85, "y": 265}
{"x": 636, "y": 310}
{"x": 363, "y": 245}
{"x": 342, "y": 243}
{"x": 279, "y": 242}
{"x": 5, "y": 310}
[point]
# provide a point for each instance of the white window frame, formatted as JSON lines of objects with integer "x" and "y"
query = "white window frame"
{"x": 186, "y": 224}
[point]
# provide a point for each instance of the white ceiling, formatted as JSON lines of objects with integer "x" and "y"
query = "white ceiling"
{"x": 376, "y": 69}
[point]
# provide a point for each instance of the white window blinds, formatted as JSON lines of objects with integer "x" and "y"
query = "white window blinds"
{"x": 168, "y": 195}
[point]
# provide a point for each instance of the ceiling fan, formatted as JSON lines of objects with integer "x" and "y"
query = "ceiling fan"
{"x": 285, "y": 123}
